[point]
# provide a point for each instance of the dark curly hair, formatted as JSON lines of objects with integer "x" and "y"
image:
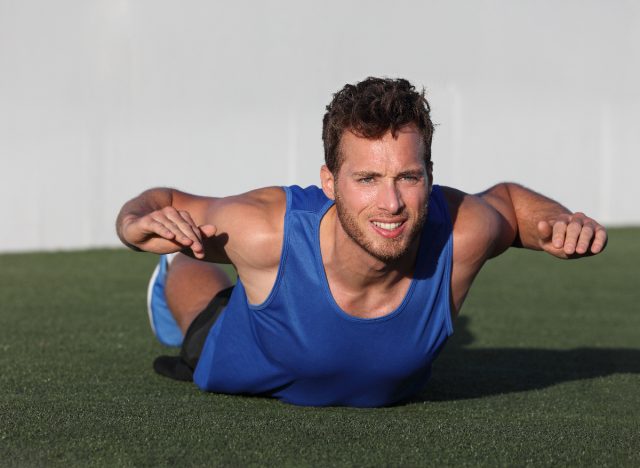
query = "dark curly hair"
{"x": 371, "y": 108}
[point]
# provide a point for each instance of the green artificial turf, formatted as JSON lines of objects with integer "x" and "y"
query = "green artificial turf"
{"x": 543, "y": 369}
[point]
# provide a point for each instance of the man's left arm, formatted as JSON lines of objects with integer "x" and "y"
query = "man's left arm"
{"x": 543, "y": 224}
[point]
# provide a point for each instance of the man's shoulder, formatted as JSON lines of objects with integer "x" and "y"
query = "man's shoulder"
{"x": 475, "y": 224}
{"x": 463, "y": 207}
{"x": 251, "y": 226}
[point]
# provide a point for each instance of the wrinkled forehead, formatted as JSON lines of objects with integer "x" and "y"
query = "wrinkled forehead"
{"x": 404, "y": 147}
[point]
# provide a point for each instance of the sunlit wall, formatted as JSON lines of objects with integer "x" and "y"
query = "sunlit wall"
{"x": 102, "y": 99}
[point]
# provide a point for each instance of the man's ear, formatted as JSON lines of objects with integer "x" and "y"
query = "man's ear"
{"x": 328, "y": 182}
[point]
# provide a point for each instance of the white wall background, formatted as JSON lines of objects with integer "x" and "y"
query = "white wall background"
{"x": 100, "y": 99}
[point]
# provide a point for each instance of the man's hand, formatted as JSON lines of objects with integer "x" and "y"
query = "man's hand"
{"x": 571, "y": 236}
{"x": 166, "y": 230}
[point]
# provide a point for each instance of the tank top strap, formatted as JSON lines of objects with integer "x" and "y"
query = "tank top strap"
{"x": 310, "y": 199}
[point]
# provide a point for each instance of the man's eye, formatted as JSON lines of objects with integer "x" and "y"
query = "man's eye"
{"x": 410, "y": 178}
{"x": 365, "y": 180}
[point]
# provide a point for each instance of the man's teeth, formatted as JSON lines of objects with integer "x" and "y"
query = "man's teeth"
{"x": 387, "y": 226}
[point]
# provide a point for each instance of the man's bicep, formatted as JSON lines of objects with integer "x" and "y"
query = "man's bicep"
{"x": 199, "y": 208}
{"x": 504, "y": 225}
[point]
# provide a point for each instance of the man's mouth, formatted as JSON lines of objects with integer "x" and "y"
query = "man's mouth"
{"x": 388, "y": 230}
{"x": 387, "y": 226}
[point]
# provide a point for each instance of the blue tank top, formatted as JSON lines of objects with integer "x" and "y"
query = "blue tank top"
{"x": 301, "y": 347}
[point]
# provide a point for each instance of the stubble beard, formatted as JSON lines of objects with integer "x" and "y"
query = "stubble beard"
{"x": 386, "y": 250}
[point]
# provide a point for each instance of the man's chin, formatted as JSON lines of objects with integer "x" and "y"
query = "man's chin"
{"x": 387, "y": 253}
{"x": 387, "y": 258}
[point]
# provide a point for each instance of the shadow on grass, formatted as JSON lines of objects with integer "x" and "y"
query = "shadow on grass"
{"x": 463, "y": 373}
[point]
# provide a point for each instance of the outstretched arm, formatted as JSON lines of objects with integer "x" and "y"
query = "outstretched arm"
{"x": 245, "y": 229}
{"x": 539, "y": 223}
{"x": 487, "y": 224}
{"x": 160, "y": 221}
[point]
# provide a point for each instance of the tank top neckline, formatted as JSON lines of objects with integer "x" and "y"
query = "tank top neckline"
{"x": 325, "y": 281}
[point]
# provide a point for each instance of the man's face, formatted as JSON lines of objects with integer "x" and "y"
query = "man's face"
{"x": 381, "y": 191}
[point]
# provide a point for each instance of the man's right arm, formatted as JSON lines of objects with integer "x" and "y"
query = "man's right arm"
{"x": 153, "y": 222}
{"x": 245, "y": 230}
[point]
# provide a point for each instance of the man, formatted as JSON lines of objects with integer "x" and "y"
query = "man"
{"x": 345, "y": 294}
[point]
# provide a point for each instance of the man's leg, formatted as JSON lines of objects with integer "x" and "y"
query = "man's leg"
{"x": 196, "y": 292}
{"x": 191, "y": 284}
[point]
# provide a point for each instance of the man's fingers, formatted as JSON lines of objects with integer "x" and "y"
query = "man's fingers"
{"x": 197, "y": 247}
{"x": 177, "y": 234}
{"x": 168, "y": 224}
{"x": 586, "y": 236}
{"x": 600, "y": 241}
{"x": 559, "y": 232}
{"x": 186, "y": 233}
{"x": 571, "y": 236}
{"x": 208, "y": 230}
{"x": 154, "y": 226}
{"x": 177, "y": 227}
{"x": 574, "y": 235}
{"x": 194, "y": 227}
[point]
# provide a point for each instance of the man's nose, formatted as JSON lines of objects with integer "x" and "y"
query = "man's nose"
{"x": 390, "y": 198}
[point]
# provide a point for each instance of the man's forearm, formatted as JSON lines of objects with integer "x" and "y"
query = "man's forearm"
{"x": 539, "y": 223}
{"x": 529, "y": 208}
{"x": 145, "y": 203}
{"x": 160, "y": 221}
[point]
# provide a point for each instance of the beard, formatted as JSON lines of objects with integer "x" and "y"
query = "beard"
{"x": 383, "y": 249}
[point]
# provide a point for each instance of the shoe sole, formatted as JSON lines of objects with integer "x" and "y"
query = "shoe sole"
{"x": 152, "y": 282}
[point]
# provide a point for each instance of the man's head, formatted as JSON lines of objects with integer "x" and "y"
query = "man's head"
{"x": 370, "y": 109}
{"x": 377, "y": 137}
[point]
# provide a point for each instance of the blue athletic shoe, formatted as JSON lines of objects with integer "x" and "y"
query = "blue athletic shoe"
{"x": 163, "y": 324}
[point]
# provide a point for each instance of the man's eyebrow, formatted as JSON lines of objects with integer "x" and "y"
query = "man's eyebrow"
{"x": 366, "y": 174}
{"x": 412, "y": 172}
